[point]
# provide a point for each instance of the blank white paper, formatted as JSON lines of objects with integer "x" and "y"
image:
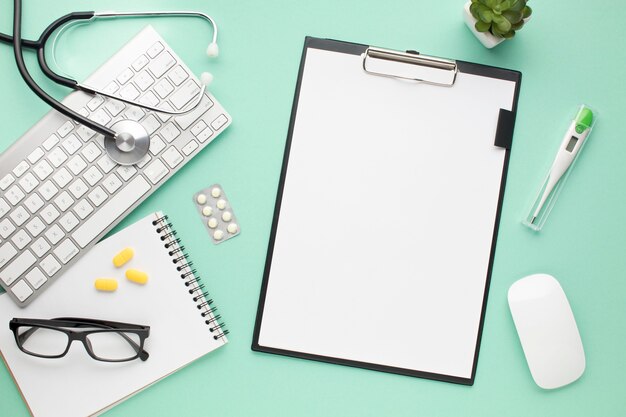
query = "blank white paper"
{"x": 388, "y": 212}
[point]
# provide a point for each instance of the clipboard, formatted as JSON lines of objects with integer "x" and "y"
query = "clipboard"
{"x": 387, "y": 212}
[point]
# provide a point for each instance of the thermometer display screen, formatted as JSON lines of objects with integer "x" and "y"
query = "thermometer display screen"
{"x": 571, "y": 144}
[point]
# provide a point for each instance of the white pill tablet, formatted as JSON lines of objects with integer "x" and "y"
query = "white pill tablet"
{"x": 218, "y": 235}
{"x": 221, "y": 204}
{"x": 201, "y": 199}
{"x": 216, "y": 192}
{"x": 212, "y": 223}
{"x": 227, "y": 216}
{"x": 207, "y": 211}
{"x": 232, "y": 228}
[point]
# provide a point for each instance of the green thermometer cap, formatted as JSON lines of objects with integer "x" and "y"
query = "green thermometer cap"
{"x": 584, "y": 120}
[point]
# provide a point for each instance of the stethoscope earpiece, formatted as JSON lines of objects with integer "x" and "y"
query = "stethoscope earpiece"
{"x": 213, "y": 50}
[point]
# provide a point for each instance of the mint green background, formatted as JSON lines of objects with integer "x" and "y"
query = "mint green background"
{"x": 570, "y": 53}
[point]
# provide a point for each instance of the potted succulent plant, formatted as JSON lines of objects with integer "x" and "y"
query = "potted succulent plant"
{"x": 493, "y": 21}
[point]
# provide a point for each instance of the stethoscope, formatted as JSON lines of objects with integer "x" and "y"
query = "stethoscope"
{"x": 126, "y": 141}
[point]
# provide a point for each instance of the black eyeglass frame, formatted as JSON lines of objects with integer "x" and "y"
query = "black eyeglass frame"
{"x": 61, "y": 324}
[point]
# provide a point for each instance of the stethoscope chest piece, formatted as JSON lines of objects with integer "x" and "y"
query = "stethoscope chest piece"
{"x": 131, "y": 143}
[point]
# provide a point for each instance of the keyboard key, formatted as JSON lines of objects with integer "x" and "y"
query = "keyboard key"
{"x": 140, "y": 62}
{"x": 40, "y": 247}
{"x": 95, "y": 102}
{"x": 35, "y": 155}
{"x": 143, "y": 80}
{"x": 161, "y": 64}
{"x": 6, "y": 228}
{"x": 190, "y": 147}
{"x": 83, "y": 112}
{"x": 35, "y": 226}
{"x": 21, "y": 168}
{"x": 164, "y": 116}
{"x": 163, "y": 88}
{"x": 14, "y": 195}
{"x": 172, "y": 157}
{"x": 49, "y": 214}
{"x": 198, "y": 127}
{"x": 65, "y": 129}
{"x": 77, "y": 164}
{"x": 114, "y": 107}
{"x": 129, "y": 92}
{"x": 42, "y": 170}
{"x": 156, "y": 145}
{"x": 50, "y": 265}
{"x": 91, "y": 152}
{"x": 83, "y": 209}
{"x": 17, "y": 267}
{"x": 169, "y": 132}
{"x": 71, "y": 144}
{"x": 156, "y": 171}
{"x": 50, "y": 142}
{"x": 48, "y": 190}
{"x": 111, "y": 88}
{"x": 219, "y": 122}
{"x": 7, "y": 252}
{"x": 21, "y": 290}
{"x": 97, "y": 196}
{"x": 21, "y": 239}
{"x": 36, "y": 278}
{"x": 28, "y": 182}
{"x": 66, "y": 251}
{"x": 151, "y": 123}
{"x": 205, "y": 134}
{"x": 188, "y": 119}
{"x": 126, "y": 75}
{"x": 32, "y": 203}
{"x": 149, "y": 99}
{"x": 62, "y": 177}
{"x": 106, "y": 164}
{"x": 57, "y": 157}
{"x": 54, "y": 234}
{"x": 64, "y": 201}
{"x": 85, "y": 133}
{"x": 93, "y": 175}
{"x": 4, "y": 208}
{"x": 112, "y": 183}
{"x": 126, "y": 172}
{"x": 6, "y": 181}
{"x": 155, "y": 49}
{"x": 178, "y": 75}
{"x": 19, "y": 216}
{"x": 100, "y": 116}
{"x": 134, "y": 113}
{"x": 109, "y": 212}
{"x": 187, "y": 92}
{"x": 78, "y": 188}
{"x": 143, "y": 161}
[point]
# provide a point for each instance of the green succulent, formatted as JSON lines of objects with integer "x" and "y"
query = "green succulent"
{"x": 500, "y": 17}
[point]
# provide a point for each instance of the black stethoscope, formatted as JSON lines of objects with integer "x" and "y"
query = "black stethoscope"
{"x": 126, "y": 141}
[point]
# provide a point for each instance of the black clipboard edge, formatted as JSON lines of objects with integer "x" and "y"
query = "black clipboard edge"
{"x": 357, "y": 49}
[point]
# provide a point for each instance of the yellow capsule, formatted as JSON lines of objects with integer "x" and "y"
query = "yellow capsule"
{"x": 124, "y": 256}
{"x": 106, "y": 284}
{"x": 137, "y": 276}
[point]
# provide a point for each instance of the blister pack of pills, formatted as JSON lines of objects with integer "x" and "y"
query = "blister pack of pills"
{"x": 216, "y": 213}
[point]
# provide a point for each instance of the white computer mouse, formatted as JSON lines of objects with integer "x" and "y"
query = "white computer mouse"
{"x": 547, "y": 330}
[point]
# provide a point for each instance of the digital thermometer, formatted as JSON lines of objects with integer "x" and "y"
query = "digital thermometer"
{"x": 570, "y": 147}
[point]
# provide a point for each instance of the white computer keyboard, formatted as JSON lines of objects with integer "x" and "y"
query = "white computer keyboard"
{"x": 60, "y": 192}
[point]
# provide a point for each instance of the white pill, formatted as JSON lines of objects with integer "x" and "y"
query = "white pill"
{"x": 227, "y": 216}
{"x": 218, "y": 235}
{"x": 216, "y": 192}
{"x": 232, "y": 228}
{"x": 207, "y": 211}
{"x": 212, "y": 222}
{"x": 201, "y": 199}
{"x": 221, "y": 204}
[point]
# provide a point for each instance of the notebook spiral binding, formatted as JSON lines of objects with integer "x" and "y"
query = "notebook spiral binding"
{"x": 195, "y": 287}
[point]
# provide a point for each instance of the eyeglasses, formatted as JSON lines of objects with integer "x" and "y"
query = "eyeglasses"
{"x": 106, "y": 341}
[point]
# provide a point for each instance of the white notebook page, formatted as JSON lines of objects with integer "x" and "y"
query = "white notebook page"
{"x": 387, "y": 218}
{"x": 77, "y": 385}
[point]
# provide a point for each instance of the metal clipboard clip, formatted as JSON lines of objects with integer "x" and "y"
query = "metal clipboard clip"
{"x": 410, "y": 65}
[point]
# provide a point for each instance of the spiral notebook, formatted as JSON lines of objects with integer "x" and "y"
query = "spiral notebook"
{"x": 183, "y": 326}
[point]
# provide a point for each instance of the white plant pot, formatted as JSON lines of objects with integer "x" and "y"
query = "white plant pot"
{"x": 486, "y": 38}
